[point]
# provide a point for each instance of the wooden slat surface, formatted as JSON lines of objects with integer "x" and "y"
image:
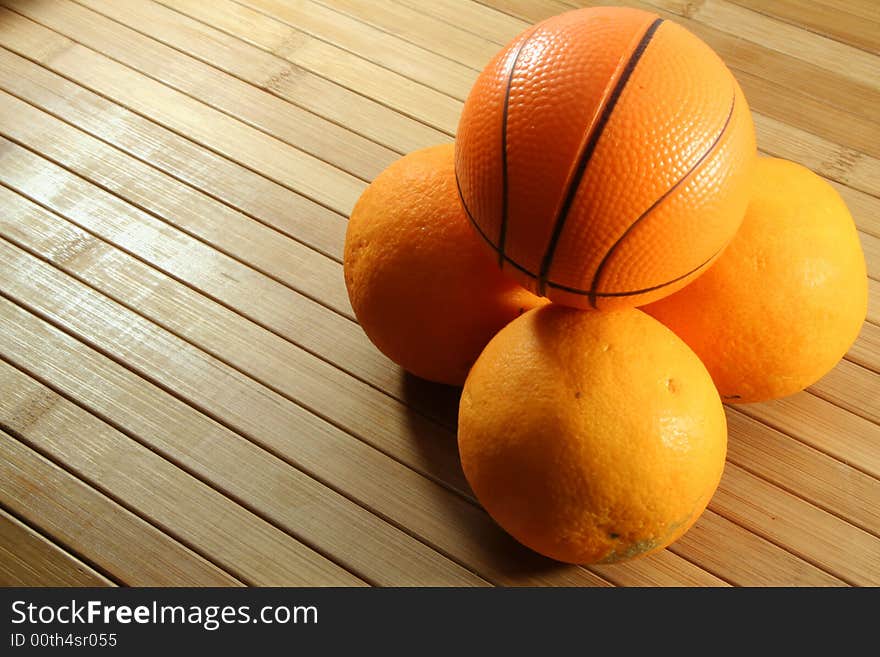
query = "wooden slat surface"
{"x": 175, "y": 178}
{"x": 28, "y": 559}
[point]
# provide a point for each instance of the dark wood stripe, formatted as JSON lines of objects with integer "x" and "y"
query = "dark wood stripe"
{"x": 587, "y": 153}
{"x": 606, "y": 259}
{"x": 502, "y": 233}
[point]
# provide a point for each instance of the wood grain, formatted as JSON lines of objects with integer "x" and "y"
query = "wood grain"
{"x": 29, "y": 559}
{"x": 414, "y": 27}
{"x": 214, "y": 226}
{"x": 304, "y": 131}
{"x": 841, "y": 25}
{"x": 803, "y": 470}
{"x": 155, "y": 488}
{"x": 110, "y": 273}
{"x": 122, "y": 544}
{"x": 226, "y": 460}
{"x": 826, "y": 541}
{"x": 273, "y": 74}
{"x": 224, "y": 180}
{"x": 362, "y": 76}
{"x": 762, "y": 563}
{"x": 844, "y": 60}
{"x": 183, "y": 114}
{"x": 175, "y": 178}
{"x": 374, "y": 45}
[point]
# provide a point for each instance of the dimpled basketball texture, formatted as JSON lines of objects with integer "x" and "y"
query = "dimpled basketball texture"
{"x": 605, "y": 156}
{"x": 591, "y": 436}
{"x": 786, "y": 299}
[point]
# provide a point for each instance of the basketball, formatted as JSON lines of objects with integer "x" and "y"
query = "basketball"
{"x": 604, "y": 157}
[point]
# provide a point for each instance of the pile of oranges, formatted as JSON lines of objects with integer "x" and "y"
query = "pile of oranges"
{"x": 601, "y": 259}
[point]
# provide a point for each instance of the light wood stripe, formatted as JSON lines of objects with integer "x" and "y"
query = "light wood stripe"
{"x": 824, "y": 426}
{"x": 212, "y": 224}
{"x": 722, "y": 546}
{"x": 841, "y": 25}
{"x": 271, "y": 73}
{"x": 302, "y": 130}
{"x": 803, "y": 470}
{"x": 414, "y": 27}
{"x": 224, "y": 180}
{"x": 866, "y": 348}
{"x": 175, "y": 178}
{"x": 29, "y": 559}
{"x": 298, "y": 47}
{"x": 472, "y": 17}
{"x": 280, "y": 162}
{"x": 830, "y": 543}
{"x": 844, "y": 60}
{"x": 862, "y": 8}
{"x": 526, "y": 10}
{"x": 88, "y": 523}
{"x": 372, "y": 45}
{"x": 230, "y": 463}
{"x": 852, "y": 387}
{"x": 154, "y": 488}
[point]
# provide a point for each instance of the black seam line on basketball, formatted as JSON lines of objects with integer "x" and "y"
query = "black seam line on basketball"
{"x": 486, "y": 239}
{"x": 587, "y": 153}
{"x": 606, "y": 259}
{"x": 502, "y": 231}
{"x": 628, "y": 293}
{"x": 565, "y": 288}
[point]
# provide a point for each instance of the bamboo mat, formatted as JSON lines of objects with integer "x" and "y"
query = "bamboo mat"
{"x": 185, "y": 396}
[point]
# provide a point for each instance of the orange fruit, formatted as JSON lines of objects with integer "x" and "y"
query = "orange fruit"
{"x": 604, "y": 157}
{"x": 418, "y": 280}
{"x": 787, "y": 298}
{"x": 591, "y": 437}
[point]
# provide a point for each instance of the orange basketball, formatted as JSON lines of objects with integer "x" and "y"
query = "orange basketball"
{"x": 605, "y": 157}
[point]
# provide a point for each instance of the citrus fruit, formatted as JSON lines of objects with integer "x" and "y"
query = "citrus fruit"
{"x": 418, "y": 280}
{"x": 786, "y": 299}
{"x": 591, "y": 437}
{"x": 604, "y": 157}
